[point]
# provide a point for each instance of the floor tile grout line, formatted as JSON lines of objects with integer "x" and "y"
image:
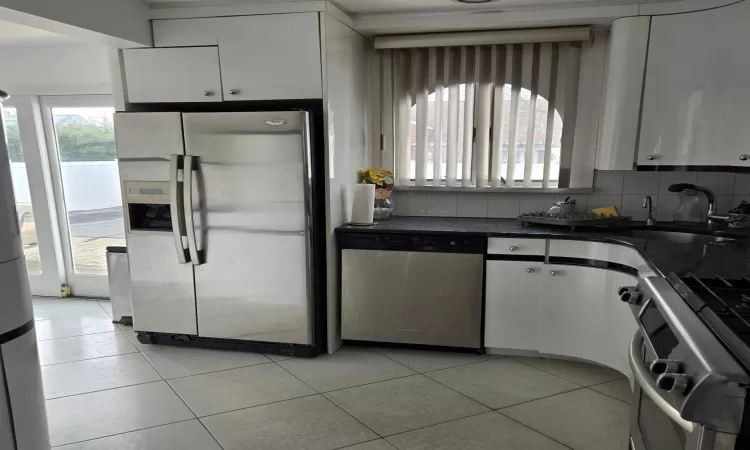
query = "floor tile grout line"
{"x": 328, "y": 399}
{"x": 213, "y": 371}
{"x": 77, "y": 335}
{"x": 540, "y": 398}
{"x": 534, "y": 430}
{"x": 563, "y": 378}
{"x": 444, "y": 368}
{"x": 367, "y": 384}
{"x": 367, "y": 442}
{"x": 549, "y": 373}
{"x": 607, "y": 395}
{"x": 454, "y": 390}
{"x": 104, "y": 390}
{"x": 86, "y": 359}
{"x": 98, "y": 302}
{"x": 184, "y": 402}
{"x": 257, "y": 406}
{"x": 211, "y": 434}
{"x": 124, "y": 432}
{"x": 101, "y": 390}
{"x": 116, "y": 330}
{"x": 462, "y": 365}
{"x": 434, "y": 425}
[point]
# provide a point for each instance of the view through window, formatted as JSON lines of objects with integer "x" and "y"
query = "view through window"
{"x": 540, "y": 135}
{"x": 88, "y": 163}
{"x": 21, "y": 191}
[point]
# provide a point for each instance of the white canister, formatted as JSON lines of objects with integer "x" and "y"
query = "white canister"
{"x": 363, "y": 204}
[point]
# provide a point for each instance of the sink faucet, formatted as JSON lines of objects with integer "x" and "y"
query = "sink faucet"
{"x": 647, "y": 204}
{"x": 713, "y": 218}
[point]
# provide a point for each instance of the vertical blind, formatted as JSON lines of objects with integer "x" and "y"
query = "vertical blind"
{"x": 498, "y": 115}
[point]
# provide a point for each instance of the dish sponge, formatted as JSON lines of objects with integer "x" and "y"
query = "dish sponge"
{"x": 607, "y": 211}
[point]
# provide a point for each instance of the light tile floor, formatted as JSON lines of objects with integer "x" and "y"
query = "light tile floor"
{"x": 105, "y": 390}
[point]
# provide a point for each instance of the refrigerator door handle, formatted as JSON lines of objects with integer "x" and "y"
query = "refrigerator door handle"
{"x": 187, "y": 186}
{"x": 177, "y": 213}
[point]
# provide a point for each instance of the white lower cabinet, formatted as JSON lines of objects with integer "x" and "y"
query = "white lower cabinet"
{"x": 572, "y": 311}
{"x": 512, "y": 291}
{"x": 559, "y": 310}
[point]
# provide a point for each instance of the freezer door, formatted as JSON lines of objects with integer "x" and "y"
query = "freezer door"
{"x": 250, "y": 210}
{"x": 145, "y": 142}
{"x": 162, "y": 286}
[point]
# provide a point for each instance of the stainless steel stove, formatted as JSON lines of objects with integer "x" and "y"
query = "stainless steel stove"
{"x": 690, "y": 361}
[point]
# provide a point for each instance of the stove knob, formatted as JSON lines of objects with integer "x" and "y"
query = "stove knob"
{"x": 662, "y": 366}
{"x": 675, "y": 383}
{"x": 630, "y": 295}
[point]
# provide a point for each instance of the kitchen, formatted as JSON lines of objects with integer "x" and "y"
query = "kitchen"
{"x": 451, "y": 324}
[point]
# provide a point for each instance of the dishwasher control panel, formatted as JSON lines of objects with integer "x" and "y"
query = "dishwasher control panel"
{"x": 413, "y": 243}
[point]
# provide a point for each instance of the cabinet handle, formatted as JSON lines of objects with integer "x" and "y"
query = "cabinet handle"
{"x": 208, "y": 93}
{"x": 529, "y": 270}
{"x": 555, "y": 273}
{"x": 513, "y": 248}
{"x": 744, "y": 157}
{"x": 233, "y": 91}
{"x": 652, "y": 157}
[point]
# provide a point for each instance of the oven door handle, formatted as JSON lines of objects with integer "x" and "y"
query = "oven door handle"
{"x": 648, "y": 386}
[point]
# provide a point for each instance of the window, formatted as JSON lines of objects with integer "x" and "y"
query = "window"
{"x": 480, "y": 115}
{"x": 85, "y": 141}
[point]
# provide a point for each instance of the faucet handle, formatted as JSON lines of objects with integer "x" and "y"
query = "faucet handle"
{"x": 647, "y": 203}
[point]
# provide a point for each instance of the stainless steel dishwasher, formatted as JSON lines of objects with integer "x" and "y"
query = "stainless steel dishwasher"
{"x": 412, "y": 289}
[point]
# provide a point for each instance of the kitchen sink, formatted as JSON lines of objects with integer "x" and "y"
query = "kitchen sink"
{"x": 681, "y": 237}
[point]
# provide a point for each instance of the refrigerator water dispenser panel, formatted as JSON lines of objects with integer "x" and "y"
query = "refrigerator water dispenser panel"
{"x": 148, "y": 206}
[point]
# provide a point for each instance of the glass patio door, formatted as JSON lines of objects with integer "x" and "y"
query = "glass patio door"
{"x": 83, "y": 160}
{"x": 33, "y": 206}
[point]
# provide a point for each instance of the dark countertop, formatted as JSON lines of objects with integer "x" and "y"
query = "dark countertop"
{"x": 729, "y": 259}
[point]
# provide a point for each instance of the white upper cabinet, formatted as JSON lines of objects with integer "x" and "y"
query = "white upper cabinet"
{"x": 163, "y": 75}
{"x": 696, "y": 91}
{"x": 626, "y": 61}
{"x": 186, "y": 32}
{"x": 270, "y": 57}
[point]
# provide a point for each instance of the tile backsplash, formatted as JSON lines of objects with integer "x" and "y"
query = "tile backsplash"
{"x": 623, "y": 189}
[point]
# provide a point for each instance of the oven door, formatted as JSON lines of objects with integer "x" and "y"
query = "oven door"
{"x": 655, "y": 423}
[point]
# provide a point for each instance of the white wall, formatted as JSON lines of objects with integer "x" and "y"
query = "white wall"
{"x": 347, "y": 99}
{"x": 55, "y": 69}
{"x": 118, "y": 23}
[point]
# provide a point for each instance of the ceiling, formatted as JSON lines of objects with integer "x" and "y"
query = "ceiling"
{"x": 15, "y": 34}
{"x": 406, "y": 6}
{"x": 416, "y": 6}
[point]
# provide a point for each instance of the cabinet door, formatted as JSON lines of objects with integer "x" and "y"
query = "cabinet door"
{"x": 164, "y": 75}
{"x": 696, "y": 92}
{"x": 270, "y": 57}
{"x": 512, "y": 304}
{"x": 573, "y": 319}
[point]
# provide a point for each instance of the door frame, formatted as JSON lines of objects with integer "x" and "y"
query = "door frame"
{"x": 33, "y": 144}
{"x": 81, "y": 285}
